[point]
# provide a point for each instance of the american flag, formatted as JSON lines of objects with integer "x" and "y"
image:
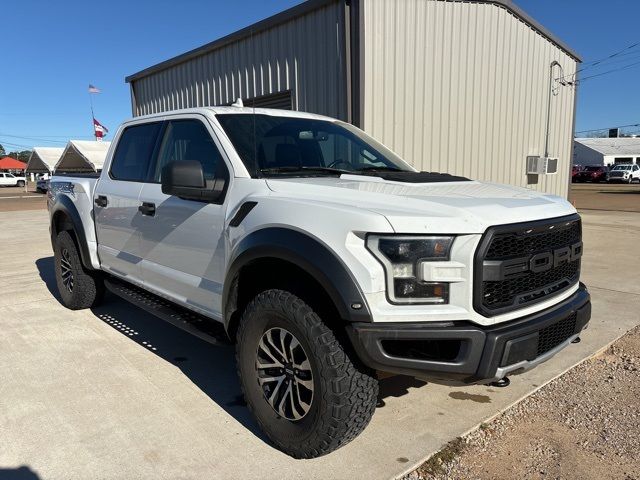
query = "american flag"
{"x": 94, "y": 89}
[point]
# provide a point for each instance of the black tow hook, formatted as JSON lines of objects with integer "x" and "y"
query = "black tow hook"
{"x": 502, "y": 383}
{"x": 576, "y": 340}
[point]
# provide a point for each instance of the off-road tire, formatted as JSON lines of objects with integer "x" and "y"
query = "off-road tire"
{"x": 88, "y": 287}
{"x": 345, "y": 392}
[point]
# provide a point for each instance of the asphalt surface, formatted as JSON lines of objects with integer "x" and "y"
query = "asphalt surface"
{"x": 14, "y": 199}
{"x": 606, "y": 196}
{"x": 114, "y": 392}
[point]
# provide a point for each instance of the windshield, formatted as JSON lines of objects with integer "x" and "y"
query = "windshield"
{"x": 622, "y": 167}
{"x": 304, "y": 146}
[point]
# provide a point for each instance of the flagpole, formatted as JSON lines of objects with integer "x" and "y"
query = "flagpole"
{"x": 92, "y": 114}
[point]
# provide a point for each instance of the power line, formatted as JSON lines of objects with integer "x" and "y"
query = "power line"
{"x": 18, "y": 145}
{"x": 41, "y": 136}
{"x": 44, "y": 140}
{"x": 604, "y": 59}
{"x": 619, "y": 69}
{"x": 620, "y": 53}
{"x": 608, "y": 128}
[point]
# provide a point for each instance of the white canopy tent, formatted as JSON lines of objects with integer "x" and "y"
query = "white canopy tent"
{"x": 83, "y": 156}
{"x": 44, "y": 159}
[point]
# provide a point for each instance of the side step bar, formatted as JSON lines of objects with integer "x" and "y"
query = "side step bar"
{"x": 202, "y": 327}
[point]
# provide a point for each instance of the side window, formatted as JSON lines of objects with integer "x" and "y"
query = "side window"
{"x": 189, "y": 140}
{"x": 133, "y": 154}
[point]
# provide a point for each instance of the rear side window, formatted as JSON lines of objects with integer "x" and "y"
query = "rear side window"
{"x": 133, "y": 154}
{"x": 189, "y": 140}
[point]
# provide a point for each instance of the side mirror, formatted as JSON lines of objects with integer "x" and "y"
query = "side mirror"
{"x": 185, "y": 179}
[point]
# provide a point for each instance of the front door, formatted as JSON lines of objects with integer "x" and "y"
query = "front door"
{"x": 182, "y": 241}
{"x": 116, "y": 201}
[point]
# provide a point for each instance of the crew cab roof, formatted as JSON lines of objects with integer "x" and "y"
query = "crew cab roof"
{"x": 233, "y": 110}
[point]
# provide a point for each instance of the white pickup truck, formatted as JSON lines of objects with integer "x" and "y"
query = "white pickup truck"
{"x": 11, "y": 180}
{"x": 324, "y": 256}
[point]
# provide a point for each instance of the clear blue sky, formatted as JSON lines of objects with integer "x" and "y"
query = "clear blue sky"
{"x": 51, "y": 51}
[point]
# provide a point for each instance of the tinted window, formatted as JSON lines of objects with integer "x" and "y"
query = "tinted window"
{"x": 268, "y": 142}
{"x": 133, "y": 154}
{"x": 189, "y": 140}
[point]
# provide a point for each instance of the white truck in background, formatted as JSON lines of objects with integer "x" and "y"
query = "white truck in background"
{"x": 324, "y": 257}
{"x": 11, "y": 180}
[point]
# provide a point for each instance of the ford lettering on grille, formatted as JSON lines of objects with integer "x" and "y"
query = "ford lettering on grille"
{"x": 497, "y": 270}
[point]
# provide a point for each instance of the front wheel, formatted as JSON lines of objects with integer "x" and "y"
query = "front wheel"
{"x": 20, "y": 183}
{"x": 307, "y": 391}
{"x": 78, "y": 288}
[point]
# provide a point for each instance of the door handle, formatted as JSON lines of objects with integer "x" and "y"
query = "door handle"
{"x": 147, "y": 208}
{"x": 101, "y": 201}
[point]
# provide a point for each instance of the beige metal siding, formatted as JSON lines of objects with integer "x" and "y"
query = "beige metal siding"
{"x": 304, "y": 55}
{"x": 462, "y": 87}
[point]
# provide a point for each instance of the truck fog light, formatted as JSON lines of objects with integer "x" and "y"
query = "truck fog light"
{"x": 407, "y": 288}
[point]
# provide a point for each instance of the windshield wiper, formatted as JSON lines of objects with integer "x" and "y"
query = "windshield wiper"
{"x": 379, "y": 169}
{"x": 295, "y": 169}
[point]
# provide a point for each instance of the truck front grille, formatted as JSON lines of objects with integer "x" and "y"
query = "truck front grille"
{"x": 518, "y": 265}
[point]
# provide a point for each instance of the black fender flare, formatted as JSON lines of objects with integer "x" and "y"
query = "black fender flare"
{"x": 65, "y": 205}
{"x": 308, "y": 254}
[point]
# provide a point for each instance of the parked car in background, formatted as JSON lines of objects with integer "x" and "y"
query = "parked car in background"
{"x": 42, "y": 184}
{"x": 593, "y": 173}
{"x": 575, "y": 170}
{"x": 625, "y": 173}
{"x": 11, "y": 180}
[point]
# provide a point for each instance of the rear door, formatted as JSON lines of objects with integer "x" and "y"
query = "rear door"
{"x": 182, "y": 242}
{"x": 116, "y": 200}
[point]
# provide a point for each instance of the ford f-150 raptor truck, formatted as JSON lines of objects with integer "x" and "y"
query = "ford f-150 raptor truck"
{"x": 325, "y": 258}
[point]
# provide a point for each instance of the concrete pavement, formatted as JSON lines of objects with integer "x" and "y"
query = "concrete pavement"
{"x": 117, "y": 393}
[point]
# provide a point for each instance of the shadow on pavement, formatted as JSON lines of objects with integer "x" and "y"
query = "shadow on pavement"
{"x": 621, "y": 192}
{"x": 46, "y": 269}
{"x": 212, "y": 368}
{"x": 397, "y": 386}
{"x": 20, "y": 473}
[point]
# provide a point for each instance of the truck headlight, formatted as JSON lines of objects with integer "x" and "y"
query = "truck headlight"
{"x": 400, "y": 257}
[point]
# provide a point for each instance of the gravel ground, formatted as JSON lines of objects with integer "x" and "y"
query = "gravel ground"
{"x": 583, "y": 425}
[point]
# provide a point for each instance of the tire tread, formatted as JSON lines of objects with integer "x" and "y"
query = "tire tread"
{"x": 353, "y": 389}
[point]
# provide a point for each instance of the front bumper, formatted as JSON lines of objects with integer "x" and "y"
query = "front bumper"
{"x": 462, "y": 352}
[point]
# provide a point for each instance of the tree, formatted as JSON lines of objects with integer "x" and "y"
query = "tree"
{"x": 2, "y": 151}
{"x": 23, "y": 155}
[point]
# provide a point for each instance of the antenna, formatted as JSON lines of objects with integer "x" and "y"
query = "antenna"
{"x": 238, "y": 103}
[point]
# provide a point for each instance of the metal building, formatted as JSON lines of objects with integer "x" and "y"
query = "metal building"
{"x": 606, "y": 151}
{"x": 468, "y": 87}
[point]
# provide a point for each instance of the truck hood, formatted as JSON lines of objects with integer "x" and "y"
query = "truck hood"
{"x": 450, "y": 207}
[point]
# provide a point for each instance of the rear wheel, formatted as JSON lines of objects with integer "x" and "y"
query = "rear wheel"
{"x": 78, "y": 287}
{"x": 307, "y": 391}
